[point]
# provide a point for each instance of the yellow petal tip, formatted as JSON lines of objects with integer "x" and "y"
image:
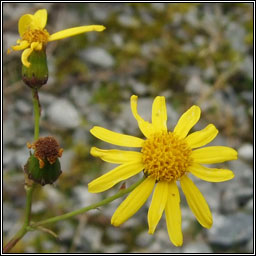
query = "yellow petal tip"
{"x": 114, "y": 222}
{"x": 235, "y": 155}
{"x": 91, "y": 188}
{"x": 178, "y": 244}
{"x": 27, "y": 64}
{"x": 93, "y": 129}
{"x": 93, "y": 151}
{"x": 98, "y": 28}
{"x": 103, "y": 28}
{"x": 134, "y": 98}
{"x": 196, "y": 108}
{"x": 151, "y": 231}
{"x": 209, "y": 225}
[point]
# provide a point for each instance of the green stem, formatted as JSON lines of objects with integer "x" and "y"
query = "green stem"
{"x": 36, "y": 105}
{"x": 87, "y": 208}
{"x": 30, "y": 186}
{"x": 24, "y": 228}
{"x": 29, "y": 194}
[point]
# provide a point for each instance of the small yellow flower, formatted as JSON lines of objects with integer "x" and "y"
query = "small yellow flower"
{"x": 34, "y": 36}
{"x": 165, "y": 157}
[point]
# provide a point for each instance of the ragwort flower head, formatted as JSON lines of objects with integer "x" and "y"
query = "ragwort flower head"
{"x": 43, "y": 165}
{"x": 34, "y": 36}
{"x": 165, "y": 158}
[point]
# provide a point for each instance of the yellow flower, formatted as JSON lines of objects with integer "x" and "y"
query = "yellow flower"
{"x": 165, "y": 158}
{"x": 34, "y": 36}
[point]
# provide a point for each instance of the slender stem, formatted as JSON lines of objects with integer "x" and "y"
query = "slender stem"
{"x": 24, "y": 228}
{"x": 29, "y": 187}
{"x": 15, "y": 240}
{"x": 36, "y": 105}
{"x": 87, "y": 208}
{"x": 29, "y": 194}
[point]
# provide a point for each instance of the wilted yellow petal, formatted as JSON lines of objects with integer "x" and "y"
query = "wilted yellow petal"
{"x": 173, "y": 215}
{"x": 116, "y": 156}
{"x": 116, "y": 138}
{"x": 159, "y": 114}
{"x": 25, "y": 23}
{"x": 133, "y": 202}
{"x": 214, "y": 154}
{"x": 24, "y": 57}
{"x": 157, "y": 205}
{"x": 210, "y": 174}
{"x": 26, "y": 53}
{"x": 203, "y": 137}
{"x": 187, "y": 121}
{"x": 23, "y": 45}
{"x": 146, "y": 128}
{"x": 111, "y": 178}
{"x": 75, "y": 31}
{"x": 196, "y": 202}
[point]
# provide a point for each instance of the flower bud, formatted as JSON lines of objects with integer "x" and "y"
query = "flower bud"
{"x": 36, "y": 74}
{"x": 43, "y": 166}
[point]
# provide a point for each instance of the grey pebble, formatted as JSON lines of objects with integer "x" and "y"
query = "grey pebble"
{"x": 98, "y": 56}
{"x": 231, "y": 230}
{"x": 196, "y": 247}
{"x": 246, "y": 151}
{"x": 63, "y": 114}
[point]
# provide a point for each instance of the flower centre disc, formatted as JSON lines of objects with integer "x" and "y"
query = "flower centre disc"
{"x": 165, "y": 156}
{"x": 36, "y": 35}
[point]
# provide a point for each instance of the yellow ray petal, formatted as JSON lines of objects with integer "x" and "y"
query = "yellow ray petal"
{"x": 157, "y": 205}
{"x": 40, "y": 18}
{"x": 25, "y": 23}
{"x": 210, "y": 174}
{"x": 26, "y": 53}
{"x": 133, "y": 202}
{"x": 146, "y": 128}
{"x": 173, "y": 215}
{"x": 116, "y": 156}
{"x": 159, "y": 115}
{"x": 111, "y": 178}
{"x": 116, "y": 138}
{"x": 196, "y": 202}
{"x": 75, "y": 31}
{"x": 23, "y": 45}
{"x": 203, "y": 137}
{"x": 214, "y": 154}
{"x": 187, "y": 121}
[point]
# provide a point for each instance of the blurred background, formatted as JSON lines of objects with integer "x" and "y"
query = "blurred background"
{"x": 190, "y": 53}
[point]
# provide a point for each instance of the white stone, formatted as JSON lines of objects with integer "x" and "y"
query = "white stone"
{"x": 99, "y": 57}
{"x": 246, "y": 151}
{"x": 63, "y": 114}
{"x": 197, "y": 247}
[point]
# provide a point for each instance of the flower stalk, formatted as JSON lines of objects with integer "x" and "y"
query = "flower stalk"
{"x": 29, "y": 227}
{"x": 25, "y": 227}
{"x": 121, "y": 193}
{"x": 30, "y": 185}
{"x": 37, "y": 112}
